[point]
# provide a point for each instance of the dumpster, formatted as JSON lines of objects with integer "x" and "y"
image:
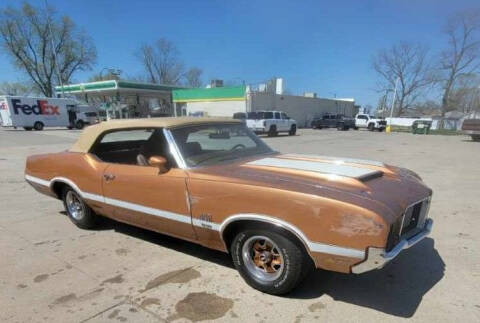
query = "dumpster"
{"x": 421, "y": 127}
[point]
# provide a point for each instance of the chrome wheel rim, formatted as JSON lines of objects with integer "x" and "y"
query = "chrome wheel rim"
{"x": 74, "y": 205}
{"x": 263, "y": 258}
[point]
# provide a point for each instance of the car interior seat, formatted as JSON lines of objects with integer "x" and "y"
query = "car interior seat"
{"x": 154, "y": 146}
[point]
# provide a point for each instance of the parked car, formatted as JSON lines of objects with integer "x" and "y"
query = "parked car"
{"x": 329, "y": 120}
{"x": 271, "y": 123}
{"x": 369, "y": 122}
{"x": 472, "y": 127}
{"x": 214, "y": 183}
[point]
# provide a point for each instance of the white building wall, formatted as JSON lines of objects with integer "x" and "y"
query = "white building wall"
{"x": 216, "y": 108}
{"x": 302, "y": 109}
{"x": 405, "y": 122}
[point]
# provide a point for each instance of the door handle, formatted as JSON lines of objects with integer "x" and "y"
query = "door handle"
{"x": 109, "y": 177}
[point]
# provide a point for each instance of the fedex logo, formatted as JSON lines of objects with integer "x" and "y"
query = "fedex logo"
{"x": 42, "y": 107}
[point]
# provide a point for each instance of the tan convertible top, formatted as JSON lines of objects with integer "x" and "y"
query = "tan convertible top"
{"x": 91, "y": 133}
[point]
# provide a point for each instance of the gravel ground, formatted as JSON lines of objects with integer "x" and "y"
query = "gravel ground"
{"x": 52, "y": 271}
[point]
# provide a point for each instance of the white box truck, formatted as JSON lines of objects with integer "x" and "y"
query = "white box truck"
{"x": 36, "y": 113}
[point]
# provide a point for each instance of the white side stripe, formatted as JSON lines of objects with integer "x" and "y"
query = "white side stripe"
{"x": 313, "y": 246}
{"x": 37, "y": 180}
{"x": 149, "y": 210}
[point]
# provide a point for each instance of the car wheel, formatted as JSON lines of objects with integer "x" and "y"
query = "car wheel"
{"x": 476, "y": 137}
{"x": 269, "y": 261}
{"x": 38, "y": 126}
{"x": 371, "y": 126}
{"x": 355, "y": 128}
{"x": 380, "y": 129}
{"x": 272, "y": 131}
{"x": 28, "y": 128}
{"x": 293, "y": 130}
{"x": 79, "y": 212}
{"x": 340, "y": 127}
{"x": 79, "y": 124}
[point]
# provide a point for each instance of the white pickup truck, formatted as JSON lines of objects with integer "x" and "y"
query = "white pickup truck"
{"x": 369, "y": 122}
{"x": 271, "y": 123}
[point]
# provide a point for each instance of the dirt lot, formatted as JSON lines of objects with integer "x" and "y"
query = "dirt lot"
{"x": 52, "y": 271}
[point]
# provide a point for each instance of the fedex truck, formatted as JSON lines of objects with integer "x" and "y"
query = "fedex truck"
{"x": 36, "y": 113}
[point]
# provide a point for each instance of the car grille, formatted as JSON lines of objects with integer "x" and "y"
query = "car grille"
{"x": 412, "y": 221}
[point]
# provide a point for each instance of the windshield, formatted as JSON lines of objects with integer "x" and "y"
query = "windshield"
{"x": 214, "y": 143}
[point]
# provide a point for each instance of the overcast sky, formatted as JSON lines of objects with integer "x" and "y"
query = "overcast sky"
{"x": 316, "y": 46}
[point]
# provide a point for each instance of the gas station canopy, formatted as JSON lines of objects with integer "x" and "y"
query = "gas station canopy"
{"x": 123, "y": 99}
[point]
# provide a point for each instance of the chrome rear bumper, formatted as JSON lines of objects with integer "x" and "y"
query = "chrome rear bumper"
{"x": 377, "y": 257}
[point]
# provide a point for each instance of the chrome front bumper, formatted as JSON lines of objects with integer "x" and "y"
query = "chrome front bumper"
{"x": 377, "y": 257}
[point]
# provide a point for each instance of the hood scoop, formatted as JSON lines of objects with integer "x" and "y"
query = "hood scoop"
{"x": 359, "y": 173}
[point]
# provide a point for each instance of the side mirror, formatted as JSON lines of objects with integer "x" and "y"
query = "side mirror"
{"x": 159, "y": 162}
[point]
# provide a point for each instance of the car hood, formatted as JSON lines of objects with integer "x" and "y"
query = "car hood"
{"x": 385, "y": 189}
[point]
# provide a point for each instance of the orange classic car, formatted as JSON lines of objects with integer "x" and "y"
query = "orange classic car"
{"x": 213, "y": 182}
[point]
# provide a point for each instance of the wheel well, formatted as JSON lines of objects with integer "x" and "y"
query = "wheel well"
{"x": 58, "y": 188}
{"x": 233, "y": 228}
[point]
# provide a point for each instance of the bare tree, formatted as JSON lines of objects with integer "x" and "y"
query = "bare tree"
{"x": 15, "y": 88}
{"x": 462, "y": 57}
{"x": 465, "y": 95}
{"x": 427, "y": 107}
{"x": 161, "y": 62}
{"x": 110, "y": 74}
{"x": 408, "y": 63}
{"x": 31, "y": 35}
{"x": 193, "y": 77}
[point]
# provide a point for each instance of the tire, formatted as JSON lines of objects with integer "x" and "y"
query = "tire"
{"x": 79, "y": 124}
{"x": 340, "y": 127}
{"x": 476, "y": 137}
{"x": 38, "y": 126}
{"x": 293, "y": 130}
{"x": 355, "y": 128}
{"x": 28, "y": 128}
{"x": 77, "y": 210}
{"x": 284, "y": 276}
{"x": 381, "y": 129}
{"x": 272, "y": 132}
{"x": 371, "y": 126}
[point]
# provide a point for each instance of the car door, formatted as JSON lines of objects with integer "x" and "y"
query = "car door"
{"x": 142, "y": 195}
{"x": 361, "y": 121}
{"x": 286, "y": 120}
{"x": 279, "y": 122}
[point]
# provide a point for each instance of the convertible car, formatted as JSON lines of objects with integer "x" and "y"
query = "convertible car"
{"x": 213, "y": 182}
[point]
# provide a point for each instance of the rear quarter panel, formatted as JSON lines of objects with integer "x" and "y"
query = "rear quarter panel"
{"x": 84, "y": 170}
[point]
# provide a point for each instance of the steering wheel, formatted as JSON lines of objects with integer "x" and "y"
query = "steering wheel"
{"x": 238, "y": 146}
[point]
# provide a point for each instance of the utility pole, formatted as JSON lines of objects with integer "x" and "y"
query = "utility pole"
{"x": 389, "y": 128}
{"x": 52, "y": 42}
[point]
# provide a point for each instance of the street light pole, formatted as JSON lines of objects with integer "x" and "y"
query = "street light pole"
{"x": 389, "y": 128}
{"x": 53, "y": 49}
